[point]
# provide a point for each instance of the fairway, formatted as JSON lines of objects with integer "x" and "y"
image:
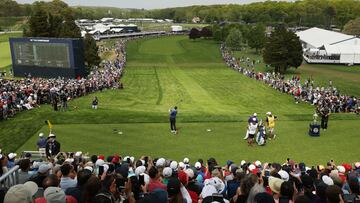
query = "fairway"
{"x": 164, "y": 72}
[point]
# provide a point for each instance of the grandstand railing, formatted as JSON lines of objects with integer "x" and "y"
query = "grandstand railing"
{"x": 41, "y": 154}
{"x": 10, "y": 178}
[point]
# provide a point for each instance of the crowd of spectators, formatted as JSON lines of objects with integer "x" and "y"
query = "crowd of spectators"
{"x": 74, "y": 177}
{"x": 28, "y": 93}
{"x": 307, "y": 91}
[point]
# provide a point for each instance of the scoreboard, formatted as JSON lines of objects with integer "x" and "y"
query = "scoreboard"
{"x": 47, "y": 57}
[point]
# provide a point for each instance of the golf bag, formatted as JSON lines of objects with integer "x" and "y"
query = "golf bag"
{"x": 261, "y": 136}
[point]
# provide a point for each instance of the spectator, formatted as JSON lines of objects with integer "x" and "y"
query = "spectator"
{"x": 334, "y": 194}
{"x": 91, "y": 188}
{"x": 41, "y": 174}
{"x": 11, "y": 160}
{"x": 41, "y": 143}
{"x": 108, "y": 191}
{"x": 82, "y": 178}
{"x": 286, "y": 192}
{"x": 55, "y": 195}
{"x": 50, "y": 181}
{"x": 155, "y": 182}
{"x": 256, "y": 189}
{"x": 24, "y": 174}
{"x": 52, "y": 146}
{"x": 21, "y": 193}
{"x": 66, "y": 181}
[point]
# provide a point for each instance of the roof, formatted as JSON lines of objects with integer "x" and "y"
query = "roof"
{"x": 318, "y": 37}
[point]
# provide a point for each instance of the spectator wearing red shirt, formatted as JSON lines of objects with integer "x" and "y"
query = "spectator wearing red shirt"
{"x": 155, "y": 182}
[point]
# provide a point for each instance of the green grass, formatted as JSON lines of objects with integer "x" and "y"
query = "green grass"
{"x": 346, "y": 79}
{"x": 13, "y": 23}
{"x": 5, "y": 55}
{"x": 170, "y": 71}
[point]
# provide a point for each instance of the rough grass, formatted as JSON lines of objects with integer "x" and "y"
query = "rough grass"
{"x": 164, "y": 72}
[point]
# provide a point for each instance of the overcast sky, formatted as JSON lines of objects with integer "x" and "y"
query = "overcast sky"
{"x": 147, "y": 4}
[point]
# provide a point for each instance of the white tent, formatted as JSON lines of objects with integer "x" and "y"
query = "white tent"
{"x": 334, "y": 47}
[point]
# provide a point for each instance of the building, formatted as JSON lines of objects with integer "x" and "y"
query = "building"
{"x": 325, "y": 46}
{"x": 177, "y": 28}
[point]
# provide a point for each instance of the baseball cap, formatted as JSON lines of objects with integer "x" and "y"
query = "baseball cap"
{"x": 139, "y": 170}
{"x": 275, "y": 184}
{"x": 52, "y": 135}
{"x": 186, "y": 160}
{"x": 160, "y": 162}
{"x": 173, "y": 165}
{"x": 12, "y": 155}
{"x": 54, "y": 195}
{"x": 284, "y": 175}
{"x": 43, "y": 168}
{"x": 198, "y": 165}
{"x": 268, "y": 113}
{"x": 167, "y": 172}
{"x": 41, "y": 134}
{"x": 21, "y": 192}
{"x": 255, "y": 114}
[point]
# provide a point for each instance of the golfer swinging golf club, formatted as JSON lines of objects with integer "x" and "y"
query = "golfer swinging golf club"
{"x": 173, "y": 113}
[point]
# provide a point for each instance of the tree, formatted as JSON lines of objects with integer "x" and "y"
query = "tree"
{"x": 283, "y": 50}
{"x": 217, "y": 33}
{"x": 38, "y": 23}
{"x": 91, "y": 56}
{"x": 68, "y": 28}
{"x": 206, "y": 32}
{"x": 352, "y": 27}
{"x": 234, "y": 40}
{"x": 256, "y": 37}
{"x": 194, "y": 34}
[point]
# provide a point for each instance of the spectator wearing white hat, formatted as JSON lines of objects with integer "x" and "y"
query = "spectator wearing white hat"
{"x": 11, "y": 160}
{"x": 52, "y": 146}
{"x": 21, "y": 193}
{"x": 270, "y": 124}
{"x": 41, "y": 143}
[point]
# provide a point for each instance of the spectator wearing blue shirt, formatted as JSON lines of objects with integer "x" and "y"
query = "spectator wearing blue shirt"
{"x": 173, "y": 113}
{"x": 41, "y": 143}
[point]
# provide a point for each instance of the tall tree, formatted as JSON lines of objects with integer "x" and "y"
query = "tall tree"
{"x": 234, "y": 40}
{"x": 283, "y": 50}
{"x": 256, "y": 37}
{"x": 38, "y": 23}
{"x": 68, "y": 28}
{"x": 352, "y": 27}
{"x": 206, "y": 32}
{"x": 91, "y": 49}
{"x": 194, "y": 34}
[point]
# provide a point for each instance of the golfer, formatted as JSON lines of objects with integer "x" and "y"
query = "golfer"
{"x": 173, "y": 113}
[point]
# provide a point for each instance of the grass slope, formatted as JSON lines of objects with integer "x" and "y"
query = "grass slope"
{"x": 5, "y": 55}
{"x": 170, "y": 71}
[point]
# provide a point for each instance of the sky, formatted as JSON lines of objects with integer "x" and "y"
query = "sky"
{"x": 147, "y": 4}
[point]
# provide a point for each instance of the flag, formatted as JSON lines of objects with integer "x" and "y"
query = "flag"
{"x": 49, "y": 124}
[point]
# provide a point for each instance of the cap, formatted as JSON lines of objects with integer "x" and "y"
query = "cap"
{"x": 41, "y": 134}
{"x": 12, "y": 155}
{"x": 54, "y": 195}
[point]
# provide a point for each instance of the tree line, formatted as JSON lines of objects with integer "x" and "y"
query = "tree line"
{"x": 321, "y": 13}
